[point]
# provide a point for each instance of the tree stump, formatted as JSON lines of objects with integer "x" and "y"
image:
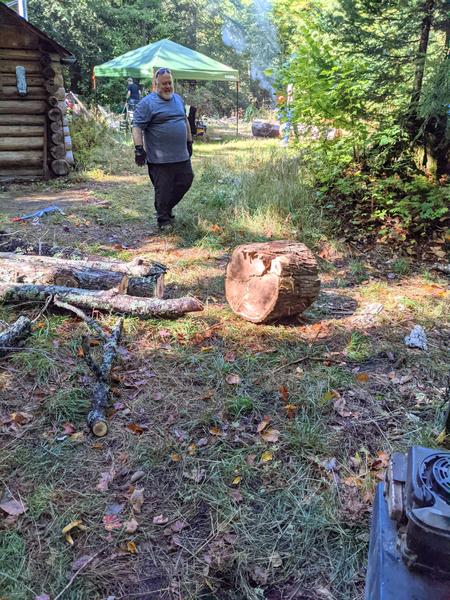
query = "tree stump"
{"x": 269, "y": 281}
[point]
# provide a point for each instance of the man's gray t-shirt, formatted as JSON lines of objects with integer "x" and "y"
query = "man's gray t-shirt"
{"x": 164, "y": 125}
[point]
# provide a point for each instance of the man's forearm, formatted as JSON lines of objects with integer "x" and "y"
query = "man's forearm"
{"x": 138, "y": 138}
{"x": 188, "y": 130}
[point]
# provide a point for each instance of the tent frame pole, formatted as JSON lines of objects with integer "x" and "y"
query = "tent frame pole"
{"x": 237, "y": 107}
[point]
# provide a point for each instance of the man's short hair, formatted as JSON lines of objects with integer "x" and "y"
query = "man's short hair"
{"x": 130, "y": 80}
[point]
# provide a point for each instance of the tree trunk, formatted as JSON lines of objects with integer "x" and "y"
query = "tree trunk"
{"x": 110, "y": 300}
{"x": 269, "y": 281}
{"x": 44, "y": 270}
{"x": 15, "y": 333}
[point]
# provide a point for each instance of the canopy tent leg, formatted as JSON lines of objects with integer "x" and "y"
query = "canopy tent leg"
{"x": 237, "y": 107}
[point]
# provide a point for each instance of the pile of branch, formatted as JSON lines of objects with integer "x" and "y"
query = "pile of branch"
{"x": 134, "y": 289}
{"x": 96, "y": 418}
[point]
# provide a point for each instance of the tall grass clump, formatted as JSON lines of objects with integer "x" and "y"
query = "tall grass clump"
{"x": 252, "y": 191}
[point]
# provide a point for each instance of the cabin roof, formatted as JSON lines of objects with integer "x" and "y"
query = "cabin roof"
{"x": 63, "y": 52}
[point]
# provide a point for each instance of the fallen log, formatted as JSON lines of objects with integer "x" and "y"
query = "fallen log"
{"x": 109, "y": 300}
{"x": 15, "y": 333}
{"x": 269, "y": 281}
{"x": 137, "y": 267}
{"x": 89, "y": 275}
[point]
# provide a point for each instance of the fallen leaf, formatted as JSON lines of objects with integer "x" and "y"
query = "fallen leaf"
{"x": 284, "y": 393}
{"x": 260, "y": 575}
{"x": 330, "y": 395}
{"x": 196, "y": 474}
{"x": 21, "y": 417}
{"x": 263, "y": 424}
{"x": 42, "y": 597}
{"x": 137, "y": 499}
{"x": 132, "y": 548}
{"x": 215, "y": 228}
{"x": 207, "y": 395}
{"x": 105, "y": 479}
{"x": 266, "y": 456}
{"x": 381, "y": 462}
{"x": 160, "y": 520}
{"x": 178, "y": 526}
{"x": 233, "y": 379}
{"x": 270, "y": 435}
{"x": 68, "y": 429}
{"x": 236, "y": 495}
{"x": 192, "y": 449}
{"x": 202, "y": 442}
{"x": 230, "y": 538}
{"x": 180, "y": 434}
{"x": 68, "y": 528}
{"x": 111, "y": 522}
{"x": 362, "y": 377}
{"x": 77, "y": 437}
{"x": 236, "y": 480}
{"x": 114, "y": 509}
{"x": 229, "y": 356}
{"x": 340, "y": 407}
{"x": 131, "y": 525}
{"x": 290, "y": 410}
{"x": 136, "y": 429}
{"x": 175, "y": 457}
{"x": 275, "y": 560}
{"x": 13, "y": 507}
{"x": 250, "y": 459}
{"x": 215, "y": 430}
{"x": 352, "y": 481}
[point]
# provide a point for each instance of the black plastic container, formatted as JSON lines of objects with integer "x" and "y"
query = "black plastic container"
{"x": 388, "y": 577}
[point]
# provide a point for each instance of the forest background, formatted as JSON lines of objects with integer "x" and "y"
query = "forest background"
{"x": 377, "y": 71}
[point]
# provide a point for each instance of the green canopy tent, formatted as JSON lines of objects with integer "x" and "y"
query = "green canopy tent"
{"x": 184, "y": 63}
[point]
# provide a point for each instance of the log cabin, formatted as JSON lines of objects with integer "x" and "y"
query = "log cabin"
{"x": 34, "y": 139}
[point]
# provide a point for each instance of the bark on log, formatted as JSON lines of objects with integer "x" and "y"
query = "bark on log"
{"x": 269, "y": 281}
{"x": 21, "y": 131}
{"x": 43, "y": 270}
{"x": 12, "y": 158}
{"x": 23, "y": 107}
{"x": 138, "y": 267}
{"x": 60, "y": 167}
{"x": 14, "y": 334}
{"x": 109, "y": 300}
{"x": 17, "y": 119}
{"x": 96, "y": 418}
{"x": 265, "y": 129}
{"x": 22, "y": 143}
{"x": 33, "y": 93}
{"x": 21, "y": 173}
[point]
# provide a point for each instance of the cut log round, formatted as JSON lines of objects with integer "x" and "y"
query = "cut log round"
{"x": 56, "y": 126}
{"x": 272, "y": 280}
{"x": 54, "y": 114}
{"x": 58, "y": 151}
{"x": 265, "y": 129}
{"x": 58, "y": 137}
{"x": 60, "y": 167}
{"x": 53, "y": 100}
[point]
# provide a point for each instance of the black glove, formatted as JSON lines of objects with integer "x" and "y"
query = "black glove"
{"x": 140, "y": 156}
{"x": 189, "y": 147}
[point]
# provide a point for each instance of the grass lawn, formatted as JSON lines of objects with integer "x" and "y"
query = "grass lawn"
{"x": 256, "y": 448}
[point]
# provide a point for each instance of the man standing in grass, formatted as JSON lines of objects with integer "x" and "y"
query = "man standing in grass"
{"x": 162, "y": 139}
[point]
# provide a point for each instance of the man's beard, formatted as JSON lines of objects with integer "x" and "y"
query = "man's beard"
{"x": 166, "y": 95}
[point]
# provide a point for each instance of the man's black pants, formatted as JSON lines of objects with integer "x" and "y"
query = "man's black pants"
{"x": 171, "y": 181}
